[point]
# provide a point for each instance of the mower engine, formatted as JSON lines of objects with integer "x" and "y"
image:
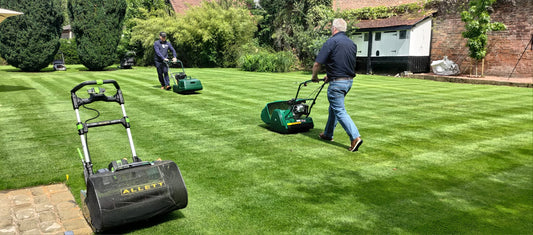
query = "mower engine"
{"x": 299, "y": 109}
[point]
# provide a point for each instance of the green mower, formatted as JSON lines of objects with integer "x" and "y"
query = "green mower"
{"x": 184, "y": 84}
{"x": 291, "y": 116}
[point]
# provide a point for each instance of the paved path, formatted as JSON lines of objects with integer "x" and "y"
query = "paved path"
{"x": 48, "y": 209}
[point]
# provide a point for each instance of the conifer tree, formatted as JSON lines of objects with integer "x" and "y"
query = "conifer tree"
{"x": 30, "y": 41}
{"x": 97, "y": 27}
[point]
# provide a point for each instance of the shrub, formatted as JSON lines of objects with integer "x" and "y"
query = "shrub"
{"x": 264, "y": 61}
{"x": 97, "y": 26}
{"x": 30, "y": 41}
{"x": 68, "y": 47}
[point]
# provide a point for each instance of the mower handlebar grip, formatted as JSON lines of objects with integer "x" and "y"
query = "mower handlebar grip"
{"x": 99, "y": 82}
{"x": 77, "y": 101}
{"x": 308, "y": 81}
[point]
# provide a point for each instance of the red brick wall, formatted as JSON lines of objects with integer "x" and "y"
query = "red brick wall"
{"x": 504, "y": 47}
{"x": 356, "y": 4}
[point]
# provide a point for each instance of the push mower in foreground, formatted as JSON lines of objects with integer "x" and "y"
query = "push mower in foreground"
{"x": 124, "y": 192}
{"x": 291, "y": 116}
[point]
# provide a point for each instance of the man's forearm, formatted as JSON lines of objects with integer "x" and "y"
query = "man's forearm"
{"x": 316, "y": 69}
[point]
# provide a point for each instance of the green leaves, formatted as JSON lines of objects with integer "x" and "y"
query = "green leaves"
{"x": 31, "y": 40}
{"x": 97, "y": 26}
{"x": 477, "y": 25}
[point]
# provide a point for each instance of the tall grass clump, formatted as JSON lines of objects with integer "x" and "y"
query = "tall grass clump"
{"x": 263, "y": 61}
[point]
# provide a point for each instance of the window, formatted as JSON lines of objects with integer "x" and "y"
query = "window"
{"x": 378, "y": 36}
{"x": 403, "y": 34}
{"x": 365, "y": 37}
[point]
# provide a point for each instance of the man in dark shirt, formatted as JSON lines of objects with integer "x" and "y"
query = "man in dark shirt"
{"x": 161, "y": 48}
{"x": 338, "y": 55}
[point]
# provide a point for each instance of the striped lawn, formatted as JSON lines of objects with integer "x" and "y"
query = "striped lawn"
{"x": 438, "y": 158}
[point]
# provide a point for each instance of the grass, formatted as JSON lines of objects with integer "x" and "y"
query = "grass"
{"x": 438, "y": 158}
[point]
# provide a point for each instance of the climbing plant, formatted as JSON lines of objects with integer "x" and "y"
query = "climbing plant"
{"x": 477, "y": 25}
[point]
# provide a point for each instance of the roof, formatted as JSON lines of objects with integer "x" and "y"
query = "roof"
{"x": 356, "y": 4}
{"x": 180, "y": 6}
{"x": 396, "y": 22}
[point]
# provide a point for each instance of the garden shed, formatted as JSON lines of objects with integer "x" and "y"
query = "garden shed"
{"x": 395, "y": 44}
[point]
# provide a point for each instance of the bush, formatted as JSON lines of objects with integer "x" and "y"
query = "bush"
{"x": 264, "y": 61}
{"x": 97, "y": 26}
{"x": 68, "y": 47}
{"x": 30, "y": 41}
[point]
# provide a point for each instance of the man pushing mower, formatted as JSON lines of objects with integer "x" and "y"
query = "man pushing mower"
{"x": 161, "y": 48}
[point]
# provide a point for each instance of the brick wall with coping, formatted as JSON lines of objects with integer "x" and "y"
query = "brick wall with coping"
{"x": 504, "y": 47}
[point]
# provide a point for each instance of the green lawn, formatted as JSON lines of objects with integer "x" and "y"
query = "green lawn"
{"x": 438, "y": 158}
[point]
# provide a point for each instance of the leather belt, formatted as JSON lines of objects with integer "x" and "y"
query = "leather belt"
{"x": 341, "y": 79}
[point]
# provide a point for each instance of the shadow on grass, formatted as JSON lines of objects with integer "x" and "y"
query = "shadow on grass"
{"x": 313, "y": 134}
{"x": 6, "y": 88}
{"x": 143, "y": 224}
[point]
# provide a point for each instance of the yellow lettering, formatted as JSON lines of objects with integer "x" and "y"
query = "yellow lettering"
{"x": 141, "y": 188}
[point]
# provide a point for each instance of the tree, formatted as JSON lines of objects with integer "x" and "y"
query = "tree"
{"x": 290, "y": 24}
{"x": 207, "y": 35}
{"x": 97, "y": 27}
{"x": 30, "y": 41}
{"x": 477, "y": 25}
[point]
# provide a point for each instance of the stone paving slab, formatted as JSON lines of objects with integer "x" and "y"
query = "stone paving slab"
{"x": 46, "y": 209}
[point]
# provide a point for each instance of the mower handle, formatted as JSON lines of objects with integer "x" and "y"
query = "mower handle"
{"x": 308, "y": 81}
{"x": 77, "y": 101}
{"x": 98, "y": 82}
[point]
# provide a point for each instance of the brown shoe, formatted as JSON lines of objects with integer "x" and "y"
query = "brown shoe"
{"x": 322, "y": 136}
{"x": 162, "y": 88}
{"x": 168, "y": 87}
{"x": 355, "y": 144}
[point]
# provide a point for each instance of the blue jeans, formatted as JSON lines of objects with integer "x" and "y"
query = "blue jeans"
{"x": 162, "y": 73}
{"x": 337, "y": 90}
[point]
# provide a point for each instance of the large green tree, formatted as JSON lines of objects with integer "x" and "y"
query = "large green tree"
{"x": 97, "y": 27}
{"x": 207, "y": 35}
{"x": 290, "y": 24}
{"x": 31, "y": 40}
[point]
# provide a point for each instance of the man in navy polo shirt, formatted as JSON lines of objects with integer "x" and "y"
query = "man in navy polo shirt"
{"x": 161, "y": 48}
{"x": 338, "y": 55}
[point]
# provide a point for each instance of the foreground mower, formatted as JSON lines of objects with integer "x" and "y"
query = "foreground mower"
{"x": 291, "y": 116}
{"x": 183, "y": 84}
{"x": 124, "y": 192}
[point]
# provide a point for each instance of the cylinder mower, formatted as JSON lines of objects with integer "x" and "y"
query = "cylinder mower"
{"x": 291, "y": 116}
{"x": 124, "y": 192}
{"x": 184, "y": 84}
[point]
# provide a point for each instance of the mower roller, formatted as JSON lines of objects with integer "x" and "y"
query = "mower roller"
{"x": 183, "y": 84}
{"x": 291, "y": 116}
{"x": 124, "y": 192}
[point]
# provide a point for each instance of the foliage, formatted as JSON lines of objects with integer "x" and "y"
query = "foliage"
{"x": 210, "y": 35}
{"x": 264, "y": 61}
{"x": 293, "y": 25}
{"x": 207, "y": 35}
{"x": 31, "y": 40}
{"x": 140, "y": 10}
{"x": 68, "y": 47}
{"x": 477, "y": 25}
{"x": 97, "y": 26}
{"x": 372, "y": 13}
